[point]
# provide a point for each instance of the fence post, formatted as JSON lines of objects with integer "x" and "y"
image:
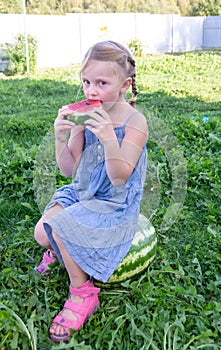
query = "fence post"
{"x": 25, "y": 36}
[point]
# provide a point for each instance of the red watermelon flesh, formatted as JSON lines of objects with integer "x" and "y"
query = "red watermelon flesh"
{"x": 84, "y": 106}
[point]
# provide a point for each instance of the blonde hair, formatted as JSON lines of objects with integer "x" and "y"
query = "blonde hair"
{"x": 114, "y": 52}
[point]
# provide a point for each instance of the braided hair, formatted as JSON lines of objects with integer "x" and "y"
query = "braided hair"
{"x": 114, "y": 52}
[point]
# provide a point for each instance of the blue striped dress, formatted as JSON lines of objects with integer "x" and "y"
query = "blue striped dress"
{"x": 98, "y": 220}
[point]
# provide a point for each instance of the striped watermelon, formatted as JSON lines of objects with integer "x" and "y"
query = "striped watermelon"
{"x": 141, "y": 254}
{"x": 82, "y": 107}
{"x": 80, "y": 110}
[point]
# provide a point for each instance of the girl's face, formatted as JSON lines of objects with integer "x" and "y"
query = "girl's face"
{"x": 101, "y": 81}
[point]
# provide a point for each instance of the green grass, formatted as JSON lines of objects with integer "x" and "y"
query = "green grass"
{"x": 175, "y": 304}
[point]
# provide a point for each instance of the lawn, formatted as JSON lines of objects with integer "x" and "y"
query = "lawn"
{"x": 176, "y": 303}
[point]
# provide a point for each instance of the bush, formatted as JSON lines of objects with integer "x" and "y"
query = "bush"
{"x": 136, "y": 47}
{"x": 16, "y": 55}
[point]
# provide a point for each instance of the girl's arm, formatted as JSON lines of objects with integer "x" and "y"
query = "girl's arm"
{"x": 122, "y": 159}
{"x": 67, "y": 154}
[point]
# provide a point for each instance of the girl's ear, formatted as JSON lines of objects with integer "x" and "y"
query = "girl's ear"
{"x": 127, "y": 83}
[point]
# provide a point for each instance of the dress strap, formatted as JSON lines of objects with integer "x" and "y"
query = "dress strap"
{"x": 129, "y": 117}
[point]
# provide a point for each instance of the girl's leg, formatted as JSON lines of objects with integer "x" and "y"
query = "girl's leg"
{"x": 77, "y": 278}
{"x": 76, "y": 275}
{"x": 41, "y": 237}
{"x": 39, "y": 233}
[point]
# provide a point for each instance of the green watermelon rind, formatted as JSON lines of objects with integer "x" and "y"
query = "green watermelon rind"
{"x": 77, "y": 118}
{"x": 142, "y": 253}
{"x": 133, "y": 264}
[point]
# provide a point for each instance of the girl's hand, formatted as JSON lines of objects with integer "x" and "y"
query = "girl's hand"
{"x": 100, "y": 124}
{"x": 62, "y": 126}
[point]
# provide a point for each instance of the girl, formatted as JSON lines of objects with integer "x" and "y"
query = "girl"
{"x": 89, "y": 224}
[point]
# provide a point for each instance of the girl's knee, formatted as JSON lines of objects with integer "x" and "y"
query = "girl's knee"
{"x": 40, "y": 234}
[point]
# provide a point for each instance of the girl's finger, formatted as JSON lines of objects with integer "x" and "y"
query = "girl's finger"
{"x": 63, "y": 112}
{"x": 99, "y": 117}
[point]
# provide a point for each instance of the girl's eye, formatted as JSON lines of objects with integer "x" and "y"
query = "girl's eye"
{"x": 101, "y": 83}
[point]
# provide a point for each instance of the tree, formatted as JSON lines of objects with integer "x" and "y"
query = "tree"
{"x": 206, "y": 8}
{"x": 61, "y": 7}
{"x": 184, "y": 7}
{"x": 10, "y": 6}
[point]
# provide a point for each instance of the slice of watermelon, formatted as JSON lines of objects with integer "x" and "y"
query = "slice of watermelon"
{"x": 80, "y": 110}
{"x": 84, "y": 106}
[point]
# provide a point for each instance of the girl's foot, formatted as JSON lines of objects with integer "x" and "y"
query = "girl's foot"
{"x": 81, "y": 304}
{"x": 49, "y": 257}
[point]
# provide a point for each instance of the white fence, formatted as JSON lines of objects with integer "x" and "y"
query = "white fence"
{"x": 212, "y": 32}
{"x": 63, "y": 40}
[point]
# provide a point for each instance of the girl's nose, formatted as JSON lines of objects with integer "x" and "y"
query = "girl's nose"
{"x": 92, "y": 90}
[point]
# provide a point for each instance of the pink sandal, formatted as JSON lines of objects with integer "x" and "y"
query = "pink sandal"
{"x": 82, "y": 310}
{"x": 49, "y": 257}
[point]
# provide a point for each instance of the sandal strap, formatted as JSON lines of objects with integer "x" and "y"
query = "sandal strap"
{"x": 85, "y": 290}
{"x": 77, "y": 308}
{"x": 66, "y": 324}
{"x": 49, "y": 256}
